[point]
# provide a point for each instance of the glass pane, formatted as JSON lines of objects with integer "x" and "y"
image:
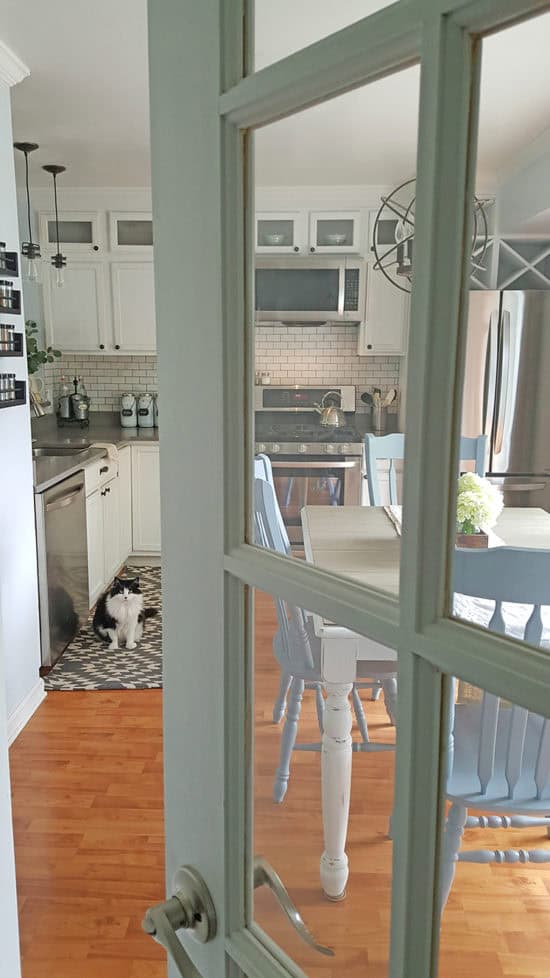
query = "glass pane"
{"x": 71, "y": 232}
{"x": 275, "y": 233}
{"x": 283, "y": 28}
{"x": 495, "y": 857}
{"x": 331, "y": 330}
{"x": 335, "y": 232}
{"x": 135, "y": 233}
{"x": 289, "y": 803}
{"x": 504, "y": 492}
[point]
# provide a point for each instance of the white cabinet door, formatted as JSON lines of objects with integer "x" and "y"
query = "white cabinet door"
{"x": 80, "y": 233}
{"x": 125, "y": 502}
{"x": 75, "y": 315}
{"x": 386, "y": 325}
{"x": 133, "y": 306}
{"x": 111, "y": 530}
{"x": 281, "y": 232}
{"x": 331, "y": 232}
{"x": 131, "y": 232}
{"x": 146, "y": 498}
{"x": 96, "y": 561}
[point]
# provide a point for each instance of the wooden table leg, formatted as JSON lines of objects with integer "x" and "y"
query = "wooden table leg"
{"x": 336, "y": 758}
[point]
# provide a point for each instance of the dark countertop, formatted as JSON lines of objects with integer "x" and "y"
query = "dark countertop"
{"x": 103, "y": 427}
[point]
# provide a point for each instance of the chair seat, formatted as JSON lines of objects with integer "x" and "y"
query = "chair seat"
{"x": 464, "y": 785}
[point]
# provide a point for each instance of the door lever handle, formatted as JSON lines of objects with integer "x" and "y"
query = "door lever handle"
{"x": 190, "y": 908}
{"x": 264, "y": 873}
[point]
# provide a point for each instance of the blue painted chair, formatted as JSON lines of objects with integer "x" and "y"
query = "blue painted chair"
{"x": 499, "y": 753}
{"x": 298, "y": 652}
{"x": 391, "y": 448}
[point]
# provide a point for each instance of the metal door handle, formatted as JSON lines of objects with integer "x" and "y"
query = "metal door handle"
{"x": 60, "y": 503}
{"x": 191, "y": 908}
{"x": 264, "y": 873}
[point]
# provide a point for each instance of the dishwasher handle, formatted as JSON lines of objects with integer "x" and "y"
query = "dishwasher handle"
{"x": 63, "y": 501}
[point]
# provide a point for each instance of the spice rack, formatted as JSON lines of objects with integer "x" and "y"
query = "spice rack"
{"x": 20, "y": 395}
{"x": 11, "y": 343}
{"x": 9, "y": 263}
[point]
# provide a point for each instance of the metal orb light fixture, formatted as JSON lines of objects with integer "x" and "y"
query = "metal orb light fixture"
{"x": 58, "y": 261}
{"x": 29, "y": 249}
{"x": 393, "y": 235}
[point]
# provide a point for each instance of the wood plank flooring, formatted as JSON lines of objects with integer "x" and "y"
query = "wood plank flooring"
{"x": 87, "y": 795}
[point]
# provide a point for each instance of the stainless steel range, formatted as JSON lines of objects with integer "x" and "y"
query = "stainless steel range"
{"x": 313, "y": 464}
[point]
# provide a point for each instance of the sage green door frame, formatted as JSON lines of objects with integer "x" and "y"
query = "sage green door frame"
{"x": 206, "y": 101}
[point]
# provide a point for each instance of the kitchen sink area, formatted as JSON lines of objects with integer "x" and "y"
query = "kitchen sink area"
{"x": 54, "y": 451}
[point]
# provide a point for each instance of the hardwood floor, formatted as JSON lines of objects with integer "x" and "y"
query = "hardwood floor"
{"x": 87, "y": 794}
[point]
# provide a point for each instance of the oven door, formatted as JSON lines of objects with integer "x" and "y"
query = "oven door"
{"x": 314, "y": 481}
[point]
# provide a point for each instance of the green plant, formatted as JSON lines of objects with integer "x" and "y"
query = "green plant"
{"x": 35, "y": 356}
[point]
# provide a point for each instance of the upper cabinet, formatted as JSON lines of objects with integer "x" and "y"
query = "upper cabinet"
{"x": 131, "y": 232}
{"x": 79, "y": 233}
{"x": 133, "y": 306}
{"x": 75, "y": 316}
{"x": 305, "y": 232}
{"x": 386, "y": 326}
{"x": 281, "y": 233}
{"x": 334, "y": 231}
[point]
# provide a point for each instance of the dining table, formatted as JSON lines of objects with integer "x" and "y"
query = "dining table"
{"x": 363, "y": 544}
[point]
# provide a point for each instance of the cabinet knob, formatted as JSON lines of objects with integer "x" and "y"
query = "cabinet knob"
{"x": 102, "y": 346}
{"x": 296, "y": 248}
{"x": 96, "y": 247}
{"x": 369, "y": 346}
{"x": 117, "y": 346}
{"x": 312, "y": 249}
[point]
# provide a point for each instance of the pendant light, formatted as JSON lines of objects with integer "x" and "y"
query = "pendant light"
{"x": 29, "y": 249}
{"x": 58, "y": 261}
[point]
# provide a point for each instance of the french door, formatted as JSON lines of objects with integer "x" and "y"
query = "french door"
{"x": 210, "y": 109}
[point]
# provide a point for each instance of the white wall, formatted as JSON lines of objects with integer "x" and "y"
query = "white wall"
{"x": 19, "y": 624}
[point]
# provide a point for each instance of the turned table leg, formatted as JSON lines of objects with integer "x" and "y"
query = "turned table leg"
{"x": 336, "y": 758}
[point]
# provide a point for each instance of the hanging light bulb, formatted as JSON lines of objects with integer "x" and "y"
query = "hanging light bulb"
{"x": 58, "y": 261}
{"x": 30, "y": 250}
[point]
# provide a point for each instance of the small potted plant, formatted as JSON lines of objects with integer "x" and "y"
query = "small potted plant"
{"x": 36, "y": 357}
{"x": 478, "y": 507}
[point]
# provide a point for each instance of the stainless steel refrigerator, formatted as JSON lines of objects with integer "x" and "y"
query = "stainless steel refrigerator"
{"x": 507, "y": 390}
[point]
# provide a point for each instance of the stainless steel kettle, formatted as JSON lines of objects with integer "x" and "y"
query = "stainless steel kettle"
{"x": 331, "y": 415}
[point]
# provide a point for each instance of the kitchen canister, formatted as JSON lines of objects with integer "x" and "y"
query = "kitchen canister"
{"x": 156, "y": 410}
{"x": 8, "y": 297}
{"x": 145, "y": 411}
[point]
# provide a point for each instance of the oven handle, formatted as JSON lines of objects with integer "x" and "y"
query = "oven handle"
{"x": 316, "y": 465}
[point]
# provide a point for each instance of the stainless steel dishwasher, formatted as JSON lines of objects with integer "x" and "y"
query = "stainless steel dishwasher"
{"x": 62, "y": 564}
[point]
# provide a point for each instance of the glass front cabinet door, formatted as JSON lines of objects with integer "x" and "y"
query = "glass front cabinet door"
{"x": 334, "y": 231}
{"x": 281, "y": 233}
{"x": 79, "y": 233}
{"x": 131, "y": 232}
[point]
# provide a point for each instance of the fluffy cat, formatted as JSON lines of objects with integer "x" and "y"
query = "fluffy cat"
{"x": 119, "y": 613}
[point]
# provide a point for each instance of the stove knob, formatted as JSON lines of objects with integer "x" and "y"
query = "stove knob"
{"x": 343, "y": 449}
{"x": 260, "y": 447}
{"x": 329, "y": 448}
{"x": 302, "y": 448}
{"x": 275, "y": 448}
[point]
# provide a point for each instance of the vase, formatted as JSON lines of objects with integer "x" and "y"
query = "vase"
{"x": 475, "y": 541}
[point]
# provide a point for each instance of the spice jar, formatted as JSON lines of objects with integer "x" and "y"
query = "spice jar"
{"x": 7, "y": 295}
{"x": 3, "y": 257}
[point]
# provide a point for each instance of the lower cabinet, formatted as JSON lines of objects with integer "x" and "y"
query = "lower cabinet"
{"x": 104, "y": 553}
{"x": 146, "y": 499}
{"x": 125, "y": 501}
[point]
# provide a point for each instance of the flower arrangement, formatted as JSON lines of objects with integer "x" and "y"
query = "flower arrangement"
{"x": 478, "y": 505}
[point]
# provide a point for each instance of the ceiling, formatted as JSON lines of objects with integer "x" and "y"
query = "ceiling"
{"x": 86, "y": 101}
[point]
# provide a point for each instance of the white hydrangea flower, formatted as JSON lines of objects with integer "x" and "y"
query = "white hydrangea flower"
{"x": 479, "y": 503}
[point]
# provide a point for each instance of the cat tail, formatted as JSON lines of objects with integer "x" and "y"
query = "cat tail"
{"x": 149, "y": 612}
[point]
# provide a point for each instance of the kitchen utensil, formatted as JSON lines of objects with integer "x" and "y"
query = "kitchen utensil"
{"x": 145, "y": 412}
{"x": 366, "y": 397}
{"x": 332, "y": 416}
{"x": 390, "y": 397}
{"x": 128, "y": 411}
{"x": 64, "y": 406}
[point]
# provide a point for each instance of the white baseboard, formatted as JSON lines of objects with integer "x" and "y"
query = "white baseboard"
{"x": 22, "y": 713}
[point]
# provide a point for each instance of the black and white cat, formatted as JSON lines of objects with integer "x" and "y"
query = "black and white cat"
{"x": 120, "y": 615}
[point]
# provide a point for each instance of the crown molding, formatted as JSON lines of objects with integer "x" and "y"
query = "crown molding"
{"x": 12, "y": 69}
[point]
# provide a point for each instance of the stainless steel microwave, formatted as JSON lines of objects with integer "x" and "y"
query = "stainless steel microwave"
{"x": 310, "y": 290}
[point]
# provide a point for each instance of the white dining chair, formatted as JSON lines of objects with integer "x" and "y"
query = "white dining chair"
{"x": 499, "y": 752}
{"x": 298, "y": 652}
{"x": 391, "y": 448}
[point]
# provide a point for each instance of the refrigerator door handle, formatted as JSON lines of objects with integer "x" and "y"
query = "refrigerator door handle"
{"x": 504, "y": 383}
{"x": 490, "y": 379}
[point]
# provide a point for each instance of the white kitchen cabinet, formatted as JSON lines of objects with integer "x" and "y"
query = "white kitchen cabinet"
{"x": 75, "y": 315}
{"x": 281, "y": 232}
{"x": 103, "y": 532}
{"x": 133, "y": 293}
{"x": 333, "y": 232}
{"x": 131, "y": 232}
{"x": 145, "y": 499}
{"x": 80, "y": 233}
{"x": 125, "y": 502}
{"x": 386, "y": 326}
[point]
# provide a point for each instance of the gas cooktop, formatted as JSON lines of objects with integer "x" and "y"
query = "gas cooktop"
{"x": 288, "y": 438}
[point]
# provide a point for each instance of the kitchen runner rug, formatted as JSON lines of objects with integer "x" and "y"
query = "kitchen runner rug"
{"x": 88, "y": 664}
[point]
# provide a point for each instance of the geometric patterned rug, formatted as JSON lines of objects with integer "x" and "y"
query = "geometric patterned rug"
{"x": 87, "y": 663}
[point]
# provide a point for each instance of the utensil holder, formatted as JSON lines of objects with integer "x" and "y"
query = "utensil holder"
{"x": 378, "y": 414}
